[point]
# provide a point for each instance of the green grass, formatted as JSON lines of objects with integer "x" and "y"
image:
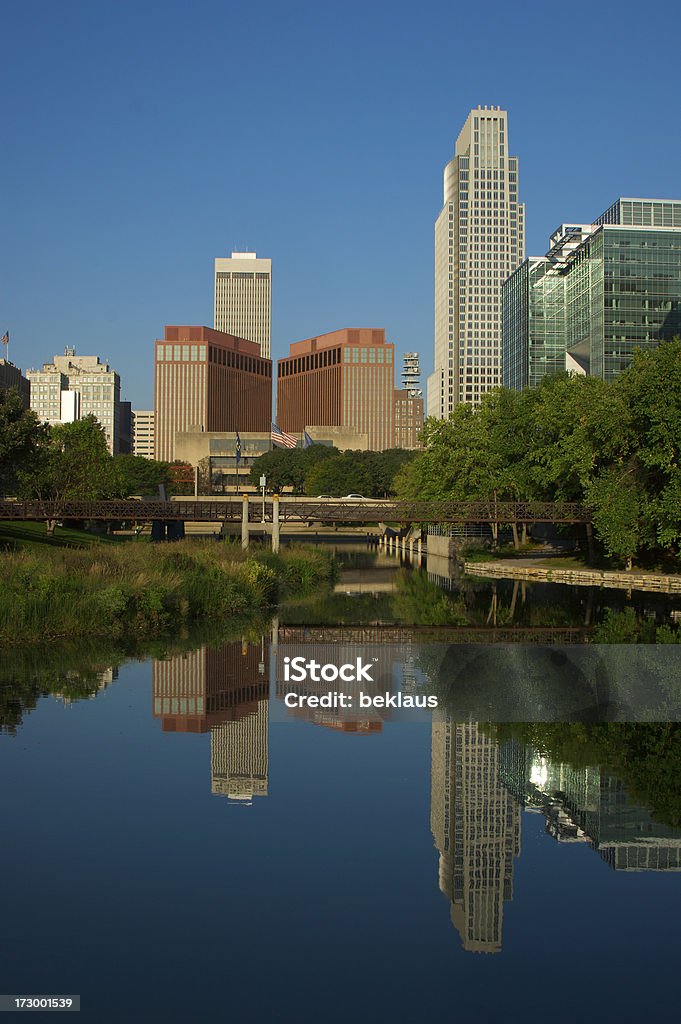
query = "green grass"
{"x": 20, "y": 535}
{"x": 143, "y": 589}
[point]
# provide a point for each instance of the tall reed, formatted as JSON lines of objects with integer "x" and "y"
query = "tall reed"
{"x": 143, "y": 589}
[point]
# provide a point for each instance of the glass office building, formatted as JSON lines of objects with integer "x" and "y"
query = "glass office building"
{"x": 534, "y": 316}
{"x": 615, "y": 288}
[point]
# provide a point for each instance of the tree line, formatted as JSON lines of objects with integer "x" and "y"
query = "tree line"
{"x": 71, "y": 461}
{"x": 614, "y": 446}
{"x": 321, "y": 469}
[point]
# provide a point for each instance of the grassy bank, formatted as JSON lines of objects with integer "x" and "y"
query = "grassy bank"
{"x": 144, "y": 590}
{"x": 20, "y": 535}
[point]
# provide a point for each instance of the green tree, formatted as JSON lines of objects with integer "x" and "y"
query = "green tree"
{"x": 74, "y": 466}
{"x": 646, "y": 757}
{"x": 343, "y": 473}
{"x": 651, "y": 390}
{"x": 133, "y": 474}
{"x": 354, "y": 472}
{"x": 21, "y": 437}
{"x": 288, "y": 467}
{"x": 615, "y": 501}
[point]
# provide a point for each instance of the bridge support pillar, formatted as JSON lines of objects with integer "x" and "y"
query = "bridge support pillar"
{"x": 244, "y": 522}
{"x": 275, "y": 523}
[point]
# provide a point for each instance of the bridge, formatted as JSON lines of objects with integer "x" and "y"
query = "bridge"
{"x": 420, "y": 635}
{"x": 251, "y": 509}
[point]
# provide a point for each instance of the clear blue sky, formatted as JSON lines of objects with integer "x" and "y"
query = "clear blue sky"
{"x": 141, "y": 140}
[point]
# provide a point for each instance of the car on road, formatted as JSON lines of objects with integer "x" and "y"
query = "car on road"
{"x": 355, "y": 497}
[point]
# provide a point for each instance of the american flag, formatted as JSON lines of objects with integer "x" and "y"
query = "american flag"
{"x": 280, "y": 436}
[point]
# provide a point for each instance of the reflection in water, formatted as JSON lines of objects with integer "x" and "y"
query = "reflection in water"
{"x": 479, "y": 783}
{"x": 476, "y": 826}
{"x": 100, "y": 682}
{"x": 588, "y": 804}
{"x": 196, "y": 690}
{"x": 239, "y": 756}
{"x": 478, "y": 787}
{"x": 224, "y": 690}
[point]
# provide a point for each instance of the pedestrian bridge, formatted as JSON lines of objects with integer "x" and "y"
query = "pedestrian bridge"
{"x": 252, "y": 509}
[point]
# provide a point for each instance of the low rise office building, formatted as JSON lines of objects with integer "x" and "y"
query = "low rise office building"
{"x": 225, "y": 461}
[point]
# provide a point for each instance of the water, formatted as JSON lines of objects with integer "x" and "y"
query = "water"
{"x": 181, "y": 847}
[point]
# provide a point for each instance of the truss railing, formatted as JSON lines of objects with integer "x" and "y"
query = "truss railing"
{"x": 295, "y": 510}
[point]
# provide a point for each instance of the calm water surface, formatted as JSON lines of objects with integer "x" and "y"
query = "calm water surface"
{"x": 179, "y": 847}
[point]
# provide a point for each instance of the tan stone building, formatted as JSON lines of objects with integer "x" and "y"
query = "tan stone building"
{"x": 97, "y": 385}
{"x": 214, "y": 452}
{"x": 476, "y": 827}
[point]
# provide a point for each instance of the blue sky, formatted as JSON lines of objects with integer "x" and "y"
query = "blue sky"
{"x": 141, "y": 140}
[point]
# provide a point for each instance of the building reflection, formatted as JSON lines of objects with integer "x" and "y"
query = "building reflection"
{"x": 591, "y": 806}
{"x": 478, "y": 790}
{"x": 239, "y": 756}
{"x": 225, "y": 691}
{"x": 196, "y": 690}
{"x": 475, "y": 822}
{"x": 78, "y": 687}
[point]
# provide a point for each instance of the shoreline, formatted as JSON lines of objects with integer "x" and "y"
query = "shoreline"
{"x": 608, "y": 579}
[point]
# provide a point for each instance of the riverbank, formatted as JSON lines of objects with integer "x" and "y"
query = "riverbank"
{"x": 528, "y": 569}
{"x": 144, "y": 590}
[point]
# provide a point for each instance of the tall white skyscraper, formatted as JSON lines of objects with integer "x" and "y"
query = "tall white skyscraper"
{"x": 479, "y": 241}
{"x": 243, "y": 298}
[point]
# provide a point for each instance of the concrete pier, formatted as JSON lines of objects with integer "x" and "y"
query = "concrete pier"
{"x": 275, "y": 523}
{"x": 244, "y": 522}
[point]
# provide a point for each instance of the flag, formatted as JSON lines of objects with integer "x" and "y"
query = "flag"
{"x": 280, "y": 436}
{"x": 5, "y": 338}
{"x": 238, "y": 449}
{"x": 307, "y": 440}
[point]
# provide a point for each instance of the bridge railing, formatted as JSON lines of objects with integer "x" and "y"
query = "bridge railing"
{"x": 328, "y": 511}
